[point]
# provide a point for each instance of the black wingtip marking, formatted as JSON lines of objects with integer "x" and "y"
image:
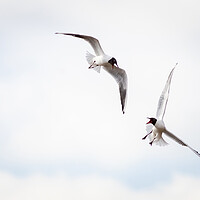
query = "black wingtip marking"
{"x": 123, "y": 98}
{"x": 196, "y": 152}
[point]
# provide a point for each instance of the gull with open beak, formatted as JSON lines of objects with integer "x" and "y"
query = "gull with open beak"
{"x": 155, "y": 132}
{"x": 107, "y": 62}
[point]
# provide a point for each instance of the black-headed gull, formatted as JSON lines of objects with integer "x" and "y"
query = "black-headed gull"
{"x": 107, "y": 62}
{"x": 155, "y": 131}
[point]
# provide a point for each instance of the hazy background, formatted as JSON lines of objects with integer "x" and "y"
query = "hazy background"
{"x": 62, "y": 132}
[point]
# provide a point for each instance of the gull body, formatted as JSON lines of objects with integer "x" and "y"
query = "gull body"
{"x": 108, "y": 63}
{"x": 157, "y": 125}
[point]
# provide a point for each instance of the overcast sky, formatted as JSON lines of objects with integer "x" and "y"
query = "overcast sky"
{"x": 62, "y": 132}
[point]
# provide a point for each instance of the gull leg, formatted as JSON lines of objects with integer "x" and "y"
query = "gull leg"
{"x": 152, "y": 141}
{"x": 92, "y": 65}
{"x": 146, "y": 136}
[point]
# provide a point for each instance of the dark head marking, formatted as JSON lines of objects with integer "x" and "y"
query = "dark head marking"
{"x": 152, "y": 120}
{"x": 113, "y": 61}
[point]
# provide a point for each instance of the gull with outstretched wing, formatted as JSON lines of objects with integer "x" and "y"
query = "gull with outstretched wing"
{"x": 157, "y": 124}
{"x": 108, "y": 63}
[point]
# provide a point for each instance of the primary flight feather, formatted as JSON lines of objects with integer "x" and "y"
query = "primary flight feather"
{"x": 155, "y": 134}
{"x": 108, "y": 63}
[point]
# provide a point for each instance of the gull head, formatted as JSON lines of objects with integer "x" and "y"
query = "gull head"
{"x": 113, "y": 62}
{"x": 152, "y": 120}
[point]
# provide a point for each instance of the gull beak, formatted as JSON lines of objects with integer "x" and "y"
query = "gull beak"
{"x": 148, "y": 121}
{"x": 115, "y": 65}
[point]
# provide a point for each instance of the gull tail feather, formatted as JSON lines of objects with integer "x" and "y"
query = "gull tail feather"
{"x": 89, "y": 58}
{"x": 161, "y": 142}
{"x": 158, "y": 141}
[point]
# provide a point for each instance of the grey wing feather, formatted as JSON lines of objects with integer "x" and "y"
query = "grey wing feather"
{"x": 93, "y": 42}
{"x": 162, "y": 103}
{"x": 121, "y": 78}
{"x": 180, "y": 141}
{"x": 175, "y": 138}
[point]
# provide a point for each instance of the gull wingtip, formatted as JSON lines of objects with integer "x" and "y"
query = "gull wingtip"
{"x": 58, "y": 33}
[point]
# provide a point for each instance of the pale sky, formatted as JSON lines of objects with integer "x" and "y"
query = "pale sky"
{"x": 62, "y": 132}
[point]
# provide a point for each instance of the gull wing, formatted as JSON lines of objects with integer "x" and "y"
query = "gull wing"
{"x": 121, "y": 78}
{"x": 93, "y": 42}
{"x": 180, "y": 141}
{"x": 162, "y": 103}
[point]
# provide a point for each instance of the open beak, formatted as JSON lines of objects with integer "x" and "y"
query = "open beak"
{"x": 148, "y": 121}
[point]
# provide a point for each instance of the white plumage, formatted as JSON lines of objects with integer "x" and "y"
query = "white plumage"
{"x": 155, "y": 132}
{"x": 108, "y": 63}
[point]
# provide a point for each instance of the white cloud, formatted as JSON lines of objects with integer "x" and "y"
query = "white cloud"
{"x": 92, "y": 187}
